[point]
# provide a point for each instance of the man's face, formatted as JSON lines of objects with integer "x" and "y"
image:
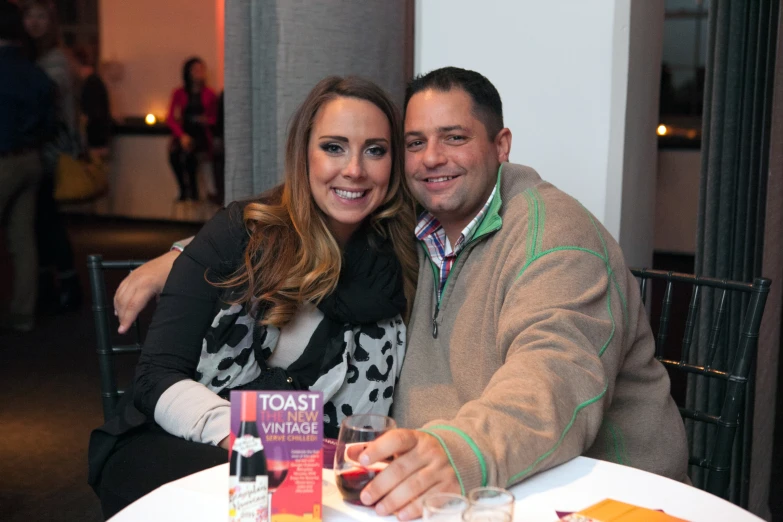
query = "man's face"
{"x": 450, "y": 161}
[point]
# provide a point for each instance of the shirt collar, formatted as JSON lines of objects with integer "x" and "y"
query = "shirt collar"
{"x": 429, "y": 225}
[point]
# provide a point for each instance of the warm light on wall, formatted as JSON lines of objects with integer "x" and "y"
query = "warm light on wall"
{"x": 662, "y": 130}
{"x": 150, "y": 119}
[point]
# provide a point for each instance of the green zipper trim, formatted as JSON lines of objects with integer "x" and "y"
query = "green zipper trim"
{"x": 472, "y": 445}
{"x": 492, "y": 222}
{"x": 448, "y": 455}
{"x": 432, "y": 265}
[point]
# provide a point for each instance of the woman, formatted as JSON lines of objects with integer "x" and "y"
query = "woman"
{"x": 54, "y": 247}
{"x": 304, "y": 288}
{"x": 192, "y": 113}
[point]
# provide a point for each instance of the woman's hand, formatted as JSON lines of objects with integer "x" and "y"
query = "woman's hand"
{"x": 140, "y": 286}
{"x": 186, "y": 141}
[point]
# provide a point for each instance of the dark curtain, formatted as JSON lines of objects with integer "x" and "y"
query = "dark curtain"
{"x": 732, "y": 199}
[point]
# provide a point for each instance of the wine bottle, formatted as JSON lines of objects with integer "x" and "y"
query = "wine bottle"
{"x": 248, "y": 493}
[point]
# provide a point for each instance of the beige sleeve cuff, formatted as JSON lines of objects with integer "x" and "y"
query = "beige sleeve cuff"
{"x": 191, "y": 411}
{"x": 464, "y": 456}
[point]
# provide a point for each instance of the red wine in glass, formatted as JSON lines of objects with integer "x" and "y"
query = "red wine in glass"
{"x": 352, "y": 481}
{"x": 276, "y": 471}
{"x": 356, "y": 432}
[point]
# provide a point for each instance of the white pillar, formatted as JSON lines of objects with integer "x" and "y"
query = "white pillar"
{"x": 578, "y": 113}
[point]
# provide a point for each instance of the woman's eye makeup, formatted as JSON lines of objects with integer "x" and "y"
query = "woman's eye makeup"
{"x": 376, "y": 150}
{"x": 331, "y": 148}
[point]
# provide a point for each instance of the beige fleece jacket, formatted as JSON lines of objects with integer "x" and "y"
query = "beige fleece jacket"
{"x": 544, "y": 351}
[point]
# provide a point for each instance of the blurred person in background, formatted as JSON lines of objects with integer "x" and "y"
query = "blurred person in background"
{"x": 192, "y": 114}
{"x": 94, "y": 105}
{"x": 60, "y": 288}
{"x": 219, "y": 155}
{"x": 26, "y": 120}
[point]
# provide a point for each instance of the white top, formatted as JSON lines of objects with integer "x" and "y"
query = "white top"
{"x": 295, "y": 336}
{"x": 190, "y": 410}
{"x": 572, "y": 486}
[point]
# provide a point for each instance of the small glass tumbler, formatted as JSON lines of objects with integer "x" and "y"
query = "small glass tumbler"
{"x": 444, "y": 507}
{"x": 492, "y": 498}
{"x": 484, "y": 514}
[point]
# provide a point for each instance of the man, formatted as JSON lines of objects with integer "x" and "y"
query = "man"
{"x": 26, "y": 120}
{"x": 528, "y": 343}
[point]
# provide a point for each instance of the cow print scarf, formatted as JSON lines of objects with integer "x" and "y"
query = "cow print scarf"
{"x": 354, "y": 356}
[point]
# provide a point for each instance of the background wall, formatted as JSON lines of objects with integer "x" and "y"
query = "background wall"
{"x": 150, "y": 40}
{"x": 562, "y": 69}
{"x": 677, "y": 201}
{"x": 632, "y": 182}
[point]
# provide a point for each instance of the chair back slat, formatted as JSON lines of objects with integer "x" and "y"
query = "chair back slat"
{"x": 102, "y": 312}
{"x": 690, "y": 324}
{"x": 720, "y": 476}
{"x": 718, "y": 459}
{"x": 717, "y": 326}
{"x": 663, "y": 325}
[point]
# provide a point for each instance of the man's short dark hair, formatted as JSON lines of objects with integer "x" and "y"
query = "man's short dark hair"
{"x": 11, "y": 27}
{"x": 486, "y": 100}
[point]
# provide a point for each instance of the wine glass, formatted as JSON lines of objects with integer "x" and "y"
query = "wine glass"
{"x": 356, "y": 431}
{"x": 277, "y": 463}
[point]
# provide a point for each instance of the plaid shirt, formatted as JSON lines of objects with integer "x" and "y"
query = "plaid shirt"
{"x": 430, "y": 232}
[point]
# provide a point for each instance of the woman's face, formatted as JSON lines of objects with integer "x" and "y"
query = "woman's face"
{"x": 198, "y": 72}
{"x": 36, "y": 22}
{"x": 350, "y": 162}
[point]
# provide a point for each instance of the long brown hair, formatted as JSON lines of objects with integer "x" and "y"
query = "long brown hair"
{"x": 291, "y": 256}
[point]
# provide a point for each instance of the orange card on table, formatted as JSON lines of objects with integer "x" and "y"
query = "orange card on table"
{"x": 615, "y": 511}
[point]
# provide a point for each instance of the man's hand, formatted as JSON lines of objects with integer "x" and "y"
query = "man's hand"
{"x": 140, "y": 287}
{"x": 420, "y": 466}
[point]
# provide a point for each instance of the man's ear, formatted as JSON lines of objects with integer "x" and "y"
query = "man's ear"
{"x": 503, "y": 144}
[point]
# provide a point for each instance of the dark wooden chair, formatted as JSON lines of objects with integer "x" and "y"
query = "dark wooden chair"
{"x": 103, "y": 313}
{"x": 738, "y": 352}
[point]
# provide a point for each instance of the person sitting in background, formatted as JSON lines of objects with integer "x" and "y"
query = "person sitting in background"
{"x": 94, "y": 105}
{"x": 304, "y": 288}
{"x": 60, "y": 288}
{"x": 27, "y": 116}
{"x": 192, "y": 113}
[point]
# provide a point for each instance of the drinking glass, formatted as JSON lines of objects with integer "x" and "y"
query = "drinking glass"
{"x": 277, "y": 463}
{"x": 492, "y": 498}
{"x": 356, "y": 432}
{"x": 444, "y": 507}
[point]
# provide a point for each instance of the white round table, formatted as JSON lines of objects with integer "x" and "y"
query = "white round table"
{"x": 572, "y": 486}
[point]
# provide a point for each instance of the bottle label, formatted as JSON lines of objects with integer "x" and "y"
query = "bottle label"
{"x": 248, "y": 501}
{"x": 246, "y": 445}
